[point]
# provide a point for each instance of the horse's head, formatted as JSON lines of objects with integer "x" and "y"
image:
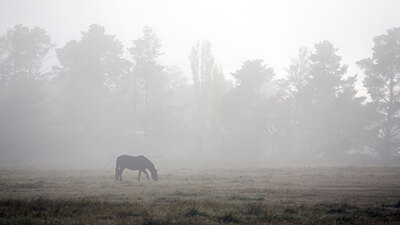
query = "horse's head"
{"x": 154, "y": 175}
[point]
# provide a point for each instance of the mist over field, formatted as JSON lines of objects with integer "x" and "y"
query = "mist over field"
{"x": 199, "y": 112}
{"x": 244, "y": 83}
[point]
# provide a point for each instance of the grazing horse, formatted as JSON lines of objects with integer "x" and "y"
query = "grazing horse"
{"x": 140, "y": 163}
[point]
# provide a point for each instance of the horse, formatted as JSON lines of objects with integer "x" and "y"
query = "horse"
{"x": 140, "y": 163}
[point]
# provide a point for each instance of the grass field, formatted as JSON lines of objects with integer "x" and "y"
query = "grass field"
{"x": 303, "y": 195}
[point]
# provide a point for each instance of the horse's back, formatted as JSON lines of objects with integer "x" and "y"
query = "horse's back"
{"x": 132, "y": 162}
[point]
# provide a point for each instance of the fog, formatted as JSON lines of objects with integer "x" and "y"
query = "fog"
{"x": 200, "y": 82}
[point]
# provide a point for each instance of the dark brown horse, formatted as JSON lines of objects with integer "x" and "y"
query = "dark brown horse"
{"x": 140, "y": 163}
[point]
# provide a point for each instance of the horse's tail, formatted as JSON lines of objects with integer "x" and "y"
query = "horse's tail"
{"x": 117, "y": 169}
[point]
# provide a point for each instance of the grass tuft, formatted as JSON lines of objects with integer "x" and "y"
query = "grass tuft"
{"x": 193, "y": 211}
{"x": 230, "y": 217}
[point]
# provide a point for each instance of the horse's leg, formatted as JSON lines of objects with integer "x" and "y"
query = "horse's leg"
{"x": 120, "y": 173}
{"x": 140, "y": 172}
{"x": 117, "y": 170}
{"x": 144, "y": 171}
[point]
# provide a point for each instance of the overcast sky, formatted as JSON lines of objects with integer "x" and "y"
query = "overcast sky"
{"x": 238, "y": 30}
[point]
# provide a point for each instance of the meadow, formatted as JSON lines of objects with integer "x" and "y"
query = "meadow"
{"x": 253, "y": 195}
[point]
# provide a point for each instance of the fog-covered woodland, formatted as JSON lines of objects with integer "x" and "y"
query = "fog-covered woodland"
{"x": 93, "y": 98}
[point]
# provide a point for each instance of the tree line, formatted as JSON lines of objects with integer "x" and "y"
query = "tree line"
{"x": 101, "y": 98}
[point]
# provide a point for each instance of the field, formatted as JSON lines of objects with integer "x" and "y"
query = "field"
{"x": 297, "y": 195}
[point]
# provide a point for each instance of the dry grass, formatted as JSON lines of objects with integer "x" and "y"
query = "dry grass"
{"x": 312, "y": 195}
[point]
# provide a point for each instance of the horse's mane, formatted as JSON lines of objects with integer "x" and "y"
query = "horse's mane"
{"x": 151, "y": 165}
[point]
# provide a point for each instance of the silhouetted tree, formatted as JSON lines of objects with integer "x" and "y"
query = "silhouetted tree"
{"x": 209, "y": 87}
{"x": 287, "y": 109}
{"x": 242, "y": 117}
{"x": 154, "y": 87}
{"x": 88, "y": 66}
{"x": 252, "y": 75}
{"x": 23, "y": 53}
{"x": 383, "y": 84}
{"x": 89, "y": 73}
{"x": 219, "y": 87}
{"x": 329, "y": 111}
{"x": 298, "y": 75}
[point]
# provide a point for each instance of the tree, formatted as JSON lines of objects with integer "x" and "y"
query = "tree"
{"x": 243, "y": 112}
{"x": 287, "y": 109}
{"x": 252, "y": 75}
{"x": 88, "y": 75}
{"x": 89, "y": 67}
{"x": 298, "y": 75}
{"x": 152, "y": 80}
{"x": 319, "y": 112}
{"x": 382, "y": 80}
{"x": 23, "y": 54}
{"x": 209, "y": 87}
{"x": 330, "y": 115}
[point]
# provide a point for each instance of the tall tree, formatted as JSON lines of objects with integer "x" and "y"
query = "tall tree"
{"x": 318, "y": 104}
{"x": 242, "y": 114}
{"x": 382, "y": 81}
{"x": 89, "y": 70}
{"x": 288, "y": 108}
{"x": 23, "y": 54}
{"x": 209, "y": 87}
{"x": 297, "y": 75}
{"x": 329, "y": 111}
{"x": 152, "y": 81}
{"x": 251, "y": 77}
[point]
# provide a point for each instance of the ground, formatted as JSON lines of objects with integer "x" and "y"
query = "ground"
{"x": 297, "y": 195}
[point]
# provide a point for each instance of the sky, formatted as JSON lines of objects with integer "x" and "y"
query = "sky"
{"x": 272, "y": 30}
